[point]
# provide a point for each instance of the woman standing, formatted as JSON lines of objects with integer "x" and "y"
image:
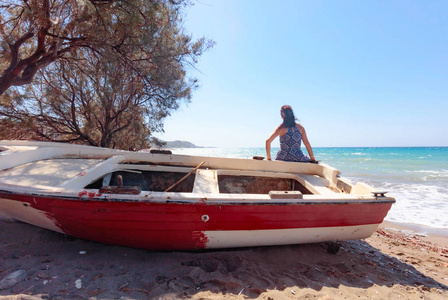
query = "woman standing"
{"x": 291, "y": 136}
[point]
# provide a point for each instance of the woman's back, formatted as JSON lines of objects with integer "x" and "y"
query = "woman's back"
{"x": 291, "y": 136}
{"x": 292, "y": 139}
{"x": 290, "y": 144}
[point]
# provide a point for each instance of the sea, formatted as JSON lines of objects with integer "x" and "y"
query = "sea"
{"x": 417, "y": 177}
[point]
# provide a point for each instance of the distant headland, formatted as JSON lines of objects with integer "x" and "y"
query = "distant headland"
{"x": 180, "y": 144}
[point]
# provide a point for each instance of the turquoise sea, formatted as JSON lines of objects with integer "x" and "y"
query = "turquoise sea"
{"x": 416, "y": 176}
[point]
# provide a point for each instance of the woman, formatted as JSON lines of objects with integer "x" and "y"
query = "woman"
{"x": 291, "y": 136}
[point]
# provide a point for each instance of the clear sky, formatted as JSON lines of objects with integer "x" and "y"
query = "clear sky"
{"x": 357, "y": 73}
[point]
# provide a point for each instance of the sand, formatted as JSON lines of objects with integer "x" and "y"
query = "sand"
{"x": 389, "y": 265}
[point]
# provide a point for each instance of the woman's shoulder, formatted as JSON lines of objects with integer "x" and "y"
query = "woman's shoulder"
{"x": 281, "y": 129}
{"x": 300, "y": 127}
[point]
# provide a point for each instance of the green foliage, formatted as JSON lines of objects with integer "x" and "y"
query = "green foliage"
{"x": 106, "y": 73}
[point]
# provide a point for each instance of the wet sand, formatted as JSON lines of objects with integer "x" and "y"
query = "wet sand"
{"x": 391, "y": 264}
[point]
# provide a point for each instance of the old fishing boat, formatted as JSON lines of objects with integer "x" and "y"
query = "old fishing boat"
{"x": 162, "y": 201}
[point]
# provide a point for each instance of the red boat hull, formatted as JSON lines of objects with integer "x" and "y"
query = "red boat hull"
{"x": 196, "y": 225}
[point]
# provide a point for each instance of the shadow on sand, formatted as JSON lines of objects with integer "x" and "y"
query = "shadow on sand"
{"x": 61, "y": 267}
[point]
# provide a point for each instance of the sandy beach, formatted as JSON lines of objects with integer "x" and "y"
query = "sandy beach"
{"x": 392, "y": 264}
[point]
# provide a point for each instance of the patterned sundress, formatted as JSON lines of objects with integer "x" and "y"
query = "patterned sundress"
{"x": 290, "y": 144}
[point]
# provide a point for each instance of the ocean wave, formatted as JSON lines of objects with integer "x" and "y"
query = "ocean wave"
{"x": 416, "y": 203}
{"x": 430, "y": 176}
{"x": 443, "y": 172}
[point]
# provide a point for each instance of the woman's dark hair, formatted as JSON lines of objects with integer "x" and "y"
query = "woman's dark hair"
{"x": 289, "y": 120}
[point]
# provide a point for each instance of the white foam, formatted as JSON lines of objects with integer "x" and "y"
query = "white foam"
{"x": 419, "y": 204}
{"x": 435, "y": 172}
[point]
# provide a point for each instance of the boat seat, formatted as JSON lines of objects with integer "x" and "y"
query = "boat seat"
{"x": 317, "y": 184}
{"x": 206, "y": 182}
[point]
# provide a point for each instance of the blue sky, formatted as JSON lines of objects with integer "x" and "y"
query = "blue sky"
{"x": 357, "y": 73}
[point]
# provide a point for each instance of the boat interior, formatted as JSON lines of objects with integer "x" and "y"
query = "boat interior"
{"x": 203, "y": 181}
{"x": 117, "y": 172}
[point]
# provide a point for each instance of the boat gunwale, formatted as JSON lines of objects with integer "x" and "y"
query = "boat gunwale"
{"x": 198, "y": 198}
{"x": 61, "y": 151}
{"x": 119, "y": 160}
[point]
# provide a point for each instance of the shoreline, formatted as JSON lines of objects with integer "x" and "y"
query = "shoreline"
{"x": 436, "y": 235}
{"x": 393, "y": 263}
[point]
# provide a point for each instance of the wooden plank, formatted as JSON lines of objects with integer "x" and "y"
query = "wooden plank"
{"x": 206, "y": 182}
{"x": 285, "y": 195}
